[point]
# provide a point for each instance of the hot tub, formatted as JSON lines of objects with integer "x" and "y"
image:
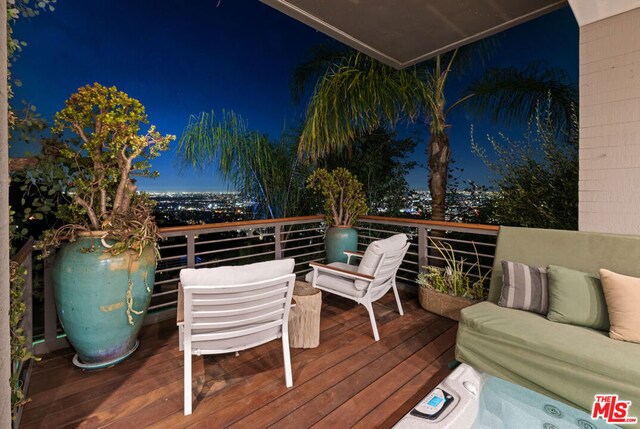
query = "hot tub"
{"x": 469, "y": 399}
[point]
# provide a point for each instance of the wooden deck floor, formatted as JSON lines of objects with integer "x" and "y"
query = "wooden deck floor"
{"x": 349, "y": 381}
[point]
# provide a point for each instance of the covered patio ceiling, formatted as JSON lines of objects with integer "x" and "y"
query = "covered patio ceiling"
{"x": 401, "y": 33}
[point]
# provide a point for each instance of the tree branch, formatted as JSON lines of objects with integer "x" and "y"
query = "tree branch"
{"x": 80, "y": 132}
{"x": 95, "y": 223}
{"x": 340, "y": 205}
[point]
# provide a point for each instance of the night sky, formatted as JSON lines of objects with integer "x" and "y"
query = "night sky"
{"x": 184, "y": 57}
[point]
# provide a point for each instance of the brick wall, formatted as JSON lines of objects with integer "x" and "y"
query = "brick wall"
{"x": 610, "y": 124}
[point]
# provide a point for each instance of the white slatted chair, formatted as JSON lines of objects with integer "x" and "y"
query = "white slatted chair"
{"x": 228, "y": 309}
{"x": 367, "y": 282}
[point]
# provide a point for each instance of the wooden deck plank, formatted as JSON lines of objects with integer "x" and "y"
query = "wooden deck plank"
{"x": 331, "y": 398}
{"x": 100, "y": 385}
{"x": 434, "y": 356}
{"x": 153, "y": 339}
{"x": 349, "y": 374}
{"x": 228, "y": 387}
{"x": 145, "y": 384}
{"x": 313, "y": 376}
{"x": 256, "y": 392}
{"x": 404, "y": 399}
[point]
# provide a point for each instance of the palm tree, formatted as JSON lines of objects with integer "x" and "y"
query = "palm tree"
{"x": 354, "y": 93}
{"x": 268, "y": 171}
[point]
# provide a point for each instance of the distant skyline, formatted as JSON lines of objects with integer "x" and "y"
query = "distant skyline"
{"x": 182, "y": 58}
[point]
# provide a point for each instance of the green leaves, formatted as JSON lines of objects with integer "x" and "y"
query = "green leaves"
{"x": 18, "y": 340}
{"x": 266, "y": 171}
{"x": 379, "y": 161}
{"x": 98, "y": 168}
{"x": 456, "y": 277}
{"x": 536, "y": 179}
{"x": 513, "y": 94}
{"x": 344, "y": 198}
{"x": 357, "y": 94}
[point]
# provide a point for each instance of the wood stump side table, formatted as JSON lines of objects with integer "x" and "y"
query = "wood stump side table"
{"x": 304, "y": 318}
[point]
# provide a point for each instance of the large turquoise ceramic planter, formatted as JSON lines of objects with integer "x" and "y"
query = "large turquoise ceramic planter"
{"x": 339, "y": 239}
{"x": 91, "y": 298}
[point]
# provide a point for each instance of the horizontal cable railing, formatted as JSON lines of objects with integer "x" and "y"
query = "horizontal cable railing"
{"x": 208, "y": 246}
{"x": 233, "y": 243}
{"x": 470, "y": 242}
{"x": 301, "y": 238}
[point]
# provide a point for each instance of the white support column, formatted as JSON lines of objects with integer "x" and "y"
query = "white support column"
{"x": 5, "y": 354}
{"x": 609, "y": 190}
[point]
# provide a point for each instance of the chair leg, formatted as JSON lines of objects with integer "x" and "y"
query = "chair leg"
{"x": 288, "y": 377}
{"x": 395, "y": 292}
{"x": 188, "y": 404}
{"x": 369, "y": 307}
{"x": 180, "y": 337}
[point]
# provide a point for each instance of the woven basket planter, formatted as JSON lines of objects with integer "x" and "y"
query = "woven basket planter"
{"x": 442, "y": 303}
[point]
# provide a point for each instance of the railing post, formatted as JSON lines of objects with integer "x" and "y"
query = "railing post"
{"x": 50, "y": 316}
{"x": 423, "y": 254}
{"x": 191, "y": 250}
{"x": 278, "y": 242}
{"x": 27, "y": 298}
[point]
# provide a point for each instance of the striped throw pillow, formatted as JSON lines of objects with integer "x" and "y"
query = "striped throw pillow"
{"x": 524, "y": 287}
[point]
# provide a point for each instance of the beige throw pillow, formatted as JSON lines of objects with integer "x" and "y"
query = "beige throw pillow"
{"x": 622, "y": 294}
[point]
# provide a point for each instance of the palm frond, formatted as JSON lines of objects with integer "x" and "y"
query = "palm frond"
{"x": 357, "y": 94}
{"x": 512, "y": 94}
{"x": 244, "y": 158}
{"x": 314, "y": 66}
{"x": 467, "y": 57}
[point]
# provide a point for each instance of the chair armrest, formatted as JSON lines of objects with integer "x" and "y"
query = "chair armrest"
{"x": 350, "y": 254}
{"x": 180, "y": 315}
{"x": 345, "y": 273}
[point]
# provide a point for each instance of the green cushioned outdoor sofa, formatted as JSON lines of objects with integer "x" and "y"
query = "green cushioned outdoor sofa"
{"x": 565, "y": 362}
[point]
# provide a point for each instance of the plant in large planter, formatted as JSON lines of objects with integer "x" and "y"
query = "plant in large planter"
{"x": 447, "y": 290}
{"x": 344, "y": 202}
{"x": 103, "y": 274}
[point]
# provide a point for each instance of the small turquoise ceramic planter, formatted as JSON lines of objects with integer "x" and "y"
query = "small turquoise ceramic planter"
{"x": 91, "y": 292}
{"x": 339, "y": 239}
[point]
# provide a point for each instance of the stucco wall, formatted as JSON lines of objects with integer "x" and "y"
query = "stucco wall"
{"x": 610, "y": 124}
{"x": 5, "y": 356}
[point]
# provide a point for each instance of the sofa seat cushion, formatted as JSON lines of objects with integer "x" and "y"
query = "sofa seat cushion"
{"x": 566, "y": 362}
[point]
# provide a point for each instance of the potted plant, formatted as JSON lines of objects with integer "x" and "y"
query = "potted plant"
{"x": 103, "y": 274}
{"x": 344, "y": 202}
{"x": 446, "y": 291}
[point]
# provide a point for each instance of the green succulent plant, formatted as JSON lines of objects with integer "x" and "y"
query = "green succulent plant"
{"x": 107, "y": 156}
{"x": 344, "y": 198}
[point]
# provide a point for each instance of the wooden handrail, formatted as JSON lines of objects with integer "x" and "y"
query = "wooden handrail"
{"x": 476, "y": 226}
{"x": 24, "y": 252}
{"x": 318, "y": 218}
{"x": 242, "y": 223}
